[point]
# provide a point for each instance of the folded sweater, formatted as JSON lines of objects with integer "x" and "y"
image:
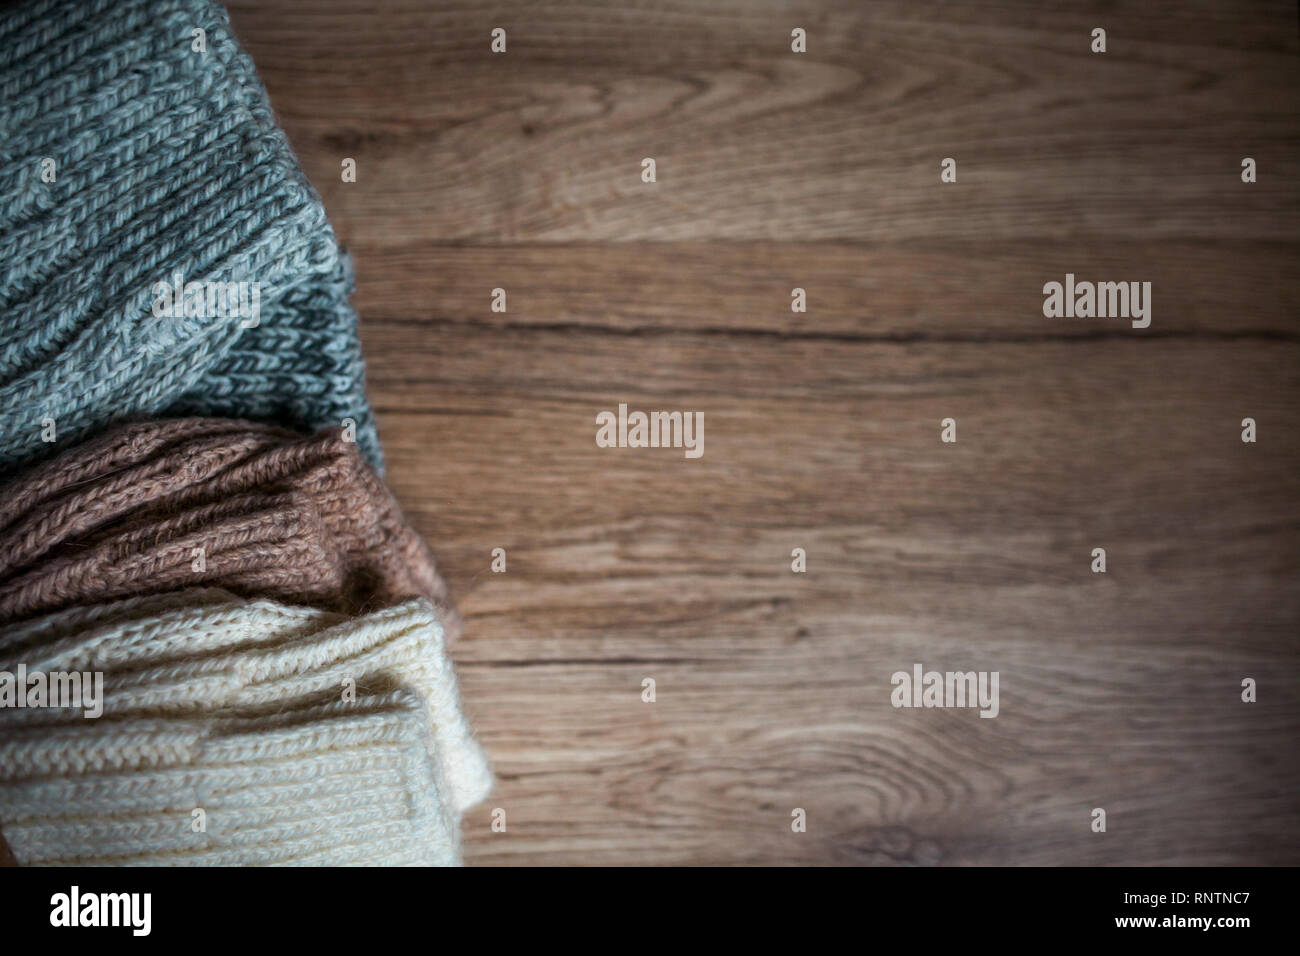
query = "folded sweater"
{"x": 302, "y": 786}
{"x": 155, "y": 506}
{"x": 133, "y": 164}
{"x": 303, "y": 735}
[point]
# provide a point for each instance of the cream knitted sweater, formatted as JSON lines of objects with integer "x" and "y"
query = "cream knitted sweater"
{"x": 302, "y": 736}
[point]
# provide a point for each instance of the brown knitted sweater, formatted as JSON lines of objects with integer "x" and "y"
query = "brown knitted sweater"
{"x": 304, "y": 520}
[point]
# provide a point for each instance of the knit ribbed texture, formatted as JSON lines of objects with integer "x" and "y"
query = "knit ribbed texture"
{"x": 167, "y": 161}
{"x": 270, "y": 632}
{"x": 352, "y": 790}
{"x": 237, "y": 708}
{"x": 269, "y": 512}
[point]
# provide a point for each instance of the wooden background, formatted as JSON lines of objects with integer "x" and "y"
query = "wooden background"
{"x": 821, "y": 170}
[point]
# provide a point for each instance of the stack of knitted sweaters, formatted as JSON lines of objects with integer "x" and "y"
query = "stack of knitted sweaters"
{"x": 220, "y": 641}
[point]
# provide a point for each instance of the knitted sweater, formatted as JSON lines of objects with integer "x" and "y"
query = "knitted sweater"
{"x": 155, "y": 506}
{"x": 130, "y": 160}
{"x": 238, "y": 708}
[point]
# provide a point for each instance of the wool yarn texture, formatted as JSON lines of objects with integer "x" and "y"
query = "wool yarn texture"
{"x": 142, "y": 179}
{"x": 192, "y": 512}
{"x": 239, "y": 709}
{"x": 259, "y": 510}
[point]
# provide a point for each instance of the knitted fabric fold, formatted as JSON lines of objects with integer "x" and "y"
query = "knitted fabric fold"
{"x": 299, "y": 787}
{"x": 240, "y": 709}
{"x": 131, "y": 163}
{"x": 258, "y": 510}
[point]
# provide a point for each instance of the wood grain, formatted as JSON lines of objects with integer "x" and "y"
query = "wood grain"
{"x": 822, "y": 429}
{"x": 753, "y": 142}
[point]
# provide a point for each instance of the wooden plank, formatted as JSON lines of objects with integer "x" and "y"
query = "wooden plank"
{"x": 912, "y": 292}
{"x": 1060, "y": 445}
{"x": 590, "y": 774}
{"x": 753, "y": 142}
